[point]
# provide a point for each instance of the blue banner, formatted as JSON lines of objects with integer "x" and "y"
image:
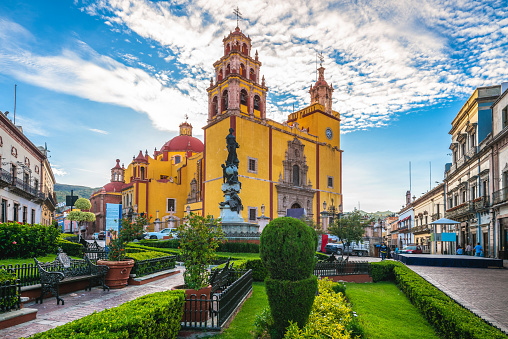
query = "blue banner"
{"x": 113, "y": 216}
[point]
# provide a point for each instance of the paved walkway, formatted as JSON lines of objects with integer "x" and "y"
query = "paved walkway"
{"x": 81, "y": 303}
{"x": 484, "y": 291}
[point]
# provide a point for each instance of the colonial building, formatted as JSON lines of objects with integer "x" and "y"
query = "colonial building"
{"x": 428, "y": 208}
{"x": 26, "y": 178}
{"x": 405, "y": 223}
{"x": 294, "y": 164}
{"x": 468, "y": 183}
{"x": 499, "y": 174}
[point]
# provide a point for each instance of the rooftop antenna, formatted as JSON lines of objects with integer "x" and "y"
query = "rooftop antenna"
{"x": 236, "y": 11}
{"x": 15, "y": 103}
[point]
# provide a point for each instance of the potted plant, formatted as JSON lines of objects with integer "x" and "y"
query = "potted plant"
{"x": 119, "y": 265}
{"x": 199, "y": 238}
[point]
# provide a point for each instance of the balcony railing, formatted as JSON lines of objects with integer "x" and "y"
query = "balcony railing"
{"x": 481, "y": 203}
{"x": 24, "y": 187}
{"x": 500, "y": 196}
{"x": 5, "y": 177}
{"x": 436, "y": 216}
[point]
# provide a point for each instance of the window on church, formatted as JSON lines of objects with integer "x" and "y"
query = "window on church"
{"x": 253, "y": 211}
{"x": 243, "y": 97}
{"x": 244, "y": 49}
{"x": 171, "y": 204}
{"x": 243, "y": 71}
{"x": 252, "y": 164}
{"x": 224, "y": 100}
{"x": 228, "y": 69}
{"x": 330, "y": 182}
{"x": 215, "y": 106}
{"x": 252, "y": 75}
{"x": 142, "y": 170}
{"x": 296, "y": 175}
{"x": 178, "y": 159}
{"x": 256, "y": 102}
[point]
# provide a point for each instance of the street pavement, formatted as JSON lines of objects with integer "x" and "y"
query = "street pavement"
{"x": 82, "y": 303}
{"x": 483, "y": 291}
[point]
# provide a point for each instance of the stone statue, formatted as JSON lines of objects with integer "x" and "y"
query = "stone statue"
{"x": 232, "y": 145}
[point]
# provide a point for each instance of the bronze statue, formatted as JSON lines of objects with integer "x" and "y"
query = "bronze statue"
{"x": 232, "y": 145}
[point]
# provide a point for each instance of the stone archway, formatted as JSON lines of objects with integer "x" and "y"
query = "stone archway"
{"x": 296, "y": 205}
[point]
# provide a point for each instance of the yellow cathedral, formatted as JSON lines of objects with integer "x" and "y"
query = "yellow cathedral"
{"x": 294, "y": 164}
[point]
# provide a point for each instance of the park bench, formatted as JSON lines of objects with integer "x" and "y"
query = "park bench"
{"x": 93, "y": 250}
{"x": 220, "y": 277}
{"x": 64, "y": 269}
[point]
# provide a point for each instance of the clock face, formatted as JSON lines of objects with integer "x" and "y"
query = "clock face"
{"x": 329, "y": 133}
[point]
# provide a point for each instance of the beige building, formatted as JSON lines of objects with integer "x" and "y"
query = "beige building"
{"x": 428, "y": 208}
{"x": 499, "y": 173}
{"x": 467, "y": 178}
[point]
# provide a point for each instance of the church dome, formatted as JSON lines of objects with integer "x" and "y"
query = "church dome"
{"x": 114, "y": 186}
{"x": 183, "y": 143}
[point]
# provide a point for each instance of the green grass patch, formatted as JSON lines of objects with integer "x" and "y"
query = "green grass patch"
{"x": 238, "y": 255}
{"x": 385, "y": 312}
{"x": 243, "y": 324}
{"x": 45, "y": 258}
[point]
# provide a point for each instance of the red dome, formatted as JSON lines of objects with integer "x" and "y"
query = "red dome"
{"x": 114, "y": 186}
{"x": 183, "y": 143}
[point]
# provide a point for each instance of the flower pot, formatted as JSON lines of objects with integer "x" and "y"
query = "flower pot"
{"x": 196, "y": 307}
{"x": 118, "y": 273}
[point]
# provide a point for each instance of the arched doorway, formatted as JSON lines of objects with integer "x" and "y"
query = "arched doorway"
{"x": 296, "y": 205}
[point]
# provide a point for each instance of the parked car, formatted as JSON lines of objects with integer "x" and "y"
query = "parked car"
{"x": 411, "y": 249}
{"x": 102, "y": 235}
{"x": 354, "y": 249}
{"x": 167, "y": 232}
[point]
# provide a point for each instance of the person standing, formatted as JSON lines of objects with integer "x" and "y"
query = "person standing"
{"x": 384, "y": 249}
{"x": 468, "y": 249}
{"x": 478, "y": 250}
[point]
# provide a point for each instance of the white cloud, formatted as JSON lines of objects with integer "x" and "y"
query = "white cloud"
{"x": 59, "y": 172}
{"x": 98, "y": 131}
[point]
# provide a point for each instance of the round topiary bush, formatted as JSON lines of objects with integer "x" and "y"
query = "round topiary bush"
{"x": 287, "y": 246}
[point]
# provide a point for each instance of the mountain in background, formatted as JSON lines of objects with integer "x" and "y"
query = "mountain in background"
{"x": 62, "y": 190}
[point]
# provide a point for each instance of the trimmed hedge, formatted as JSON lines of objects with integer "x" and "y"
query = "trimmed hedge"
{"x": 171, "y": 243}
{"x": 238, "y": 247}
{"x": 448, "y": 317}
{"x": 70, "y": 248}
{"x": 154, "y": 315}
{"x": 321, "y": 256}
{"x": 287, "y": 247}
{"x": 290, "y": 301}
{"x": 27, "y": 241}
{"x": 383, "y": 270}
{"x": 69, "y": 237}
{"x": 256, "y": 265}
{"x": 149, "y": 248}
{"x": 146, "y": 255}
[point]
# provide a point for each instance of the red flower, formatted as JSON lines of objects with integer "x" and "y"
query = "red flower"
{"x": 14, "y": 243}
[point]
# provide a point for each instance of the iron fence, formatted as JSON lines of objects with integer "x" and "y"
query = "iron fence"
{"x": 149, "y": 266}
{"x": 27, "y": 274}
{"x": 10, "y": 293}
{"x": 212, "y": 312}
{"x": 341, "y": 268}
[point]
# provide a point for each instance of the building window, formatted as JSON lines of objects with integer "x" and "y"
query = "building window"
{"x": 456, "y": 200}
{"x": 296, "y": 175}
{"x": 16, "y": 212}
{"x": 252, "y": 165}
{"x": 330, "y": 182}
{"x": 142, "y": 173}
{"x": 177, "y": 159}
{"x": 171, "y": 205}
{"x": 463, "y": 148}
{"x": 484, "y": 186}
{"x": 3, "y": 216}
{"x": 473, "y": 140}
{"x": 253, "y": 213}
{"x": 505, "y": 116}
{"x": 464, "y": 196}
{"x": 426, "y": 220}
{"x": 33, "y": 216}
{"x": 25, "y": 215}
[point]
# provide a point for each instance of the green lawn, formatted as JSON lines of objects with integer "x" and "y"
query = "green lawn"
{"x": 239, "y": 255}
{"x": 49, "y": 257}
{"x": 243, "y": 324}
{"x": 385, "y": 312}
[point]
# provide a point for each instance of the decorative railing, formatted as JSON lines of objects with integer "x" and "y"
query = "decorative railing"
{"x": 211, "y": 312}
{"x": 150, "y": 266}
{"x": 459, "y": 210}
{"x": 5, "y": 176}
{"x": 500, "y": 196}
{"x": 93, "y": 251}
{"x": 10, "y": 293}
{"x": 27, "y": 274}
{"x": 481, "y": 203}
{"x": 341, "y": 268}
{"x": 25, "y": 187}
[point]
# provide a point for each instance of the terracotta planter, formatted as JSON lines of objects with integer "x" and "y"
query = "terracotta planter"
{"x": 118, "y": 273}
{"x": 195, "y": 310}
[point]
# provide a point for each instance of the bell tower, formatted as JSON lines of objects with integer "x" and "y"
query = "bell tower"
{"x": 236, "y": 86}
{"x": 321, "y": 93}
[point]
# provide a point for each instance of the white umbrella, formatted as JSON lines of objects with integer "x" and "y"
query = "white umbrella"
{"x": 444, "y": 221}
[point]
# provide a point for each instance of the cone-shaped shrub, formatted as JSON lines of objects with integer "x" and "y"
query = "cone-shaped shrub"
{"x": 287, "y": 247}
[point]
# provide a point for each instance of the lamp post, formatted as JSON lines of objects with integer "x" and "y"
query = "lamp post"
{"x": 324, "y": 218}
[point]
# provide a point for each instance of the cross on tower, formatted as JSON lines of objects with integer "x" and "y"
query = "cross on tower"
{"x": 186, "y": 117}
{"x": 236, "y": 11}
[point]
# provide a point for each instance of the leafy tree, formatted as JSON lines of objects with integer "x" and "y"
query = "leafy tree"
{"x": 79, "y": 215}
{"x": 349, "y": 228}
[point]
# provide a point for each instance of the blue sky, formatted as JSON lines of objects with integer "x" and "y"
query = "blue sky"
{"x": 100, "y": 80}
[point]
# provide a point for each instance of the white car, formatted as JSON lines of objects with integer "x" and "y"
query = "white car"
{"x": 167, "y": 232}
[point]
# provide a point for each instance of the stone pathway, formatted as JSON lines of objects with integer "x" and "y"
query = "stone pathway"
{"x": 82, "y": 303}
{"x": 483, "y": 291}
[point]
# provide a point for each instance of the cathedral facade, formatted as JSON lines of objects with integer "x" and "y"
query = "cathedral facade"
{"x": 289, "y": 165}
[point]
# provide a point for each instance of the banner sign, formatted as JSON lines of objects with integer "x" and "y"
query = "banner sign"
{"x": 113, "y": 216}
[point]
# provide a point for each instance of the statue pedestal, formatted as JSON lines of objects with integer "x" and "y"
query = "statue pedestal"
{"x": 229, "y": 216}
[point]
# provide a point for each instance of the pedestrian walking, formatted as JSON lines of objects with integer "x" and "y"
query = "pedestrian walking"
{"x": 468, "y": 249}
{"x": 384, "y": 249}
{"x": 478, "y": 250}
